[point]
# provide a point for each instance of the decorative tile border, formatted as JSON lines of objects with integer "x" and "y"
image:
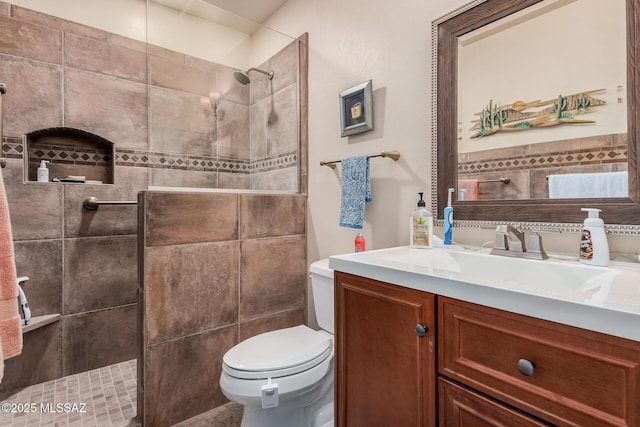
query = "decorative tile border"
{"x": 159, "y": 160}
{"x": 599, "y": 155}
{"x": 70, "y": 155}
{"x": 14, "y": 148}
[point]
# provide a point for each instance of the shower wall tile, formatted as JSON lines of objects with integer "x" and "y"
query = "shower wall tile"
{"x": 177, "y": 218}
{"x": 203, "y": 64}
{"x": 103, "y": 57}
{"x": 60, "y": 24}
{"x": 182, "y": 378}
{"x": 278, "y": 179}
{"x": 282, "y": 133}
{"x": 284, "y": 65}
{"x": 113, "y": 108}
{"x": 99, "y": 272}
{"x": 286, "y": 319}
{"x": 171, "y": 133}
{"x": 252, "y": 285}
{"x": 112, "y": 333}
{"x": 35, "y": 208}
{"x": 183, "y": 178}
{"x": 239, "y": 181}
{"x": 40, "y": 361}
{"x": 41, "y": 261}
{"x": 175, "y": 74}
{"x": 34, "y": 91}
{"x": 200, "y": 279}
{"x": 233, "y": 132}
{"x": 269, "y": 216}
{"x": 164, "y": 53}
{"x": 258, "y": 129}
{"x": 273, "y": 283}
{"x": 5, "y": 8}
{"x": 30, "y": 41}
{"x": 107, "y": 220}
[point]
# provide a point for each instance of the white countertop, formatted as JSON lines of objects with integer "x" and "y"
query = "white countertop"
{"x": 612, "y": 307}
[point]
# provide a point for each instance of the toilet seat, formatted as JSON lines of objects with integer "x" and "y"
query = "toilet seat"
{"x": 278, "y": 353}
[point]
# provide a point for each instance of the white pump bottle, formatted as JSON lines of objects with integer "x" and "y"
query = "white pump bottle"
{"x": 594, "y": 247}
{"x": 43, "y": 172}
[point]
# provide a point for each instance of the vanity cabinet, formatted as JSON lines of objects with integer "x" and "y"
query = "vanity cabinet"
{"x": 564, "y": 375}
{"x": 494, "y": 367}
{"x": 385, "y": 359}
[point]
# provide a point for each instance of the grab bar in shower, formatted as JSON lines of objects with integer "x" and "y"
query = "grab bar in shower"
{"x": 92, "y": 203}
{"x": 3, "y": 161}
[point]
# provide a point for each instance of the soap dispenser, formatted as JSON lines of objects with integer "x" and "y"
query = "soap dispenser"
{"x": 43, "y": 172}
{"x": 594, "y": 248}
{"x": 421, "y": 226}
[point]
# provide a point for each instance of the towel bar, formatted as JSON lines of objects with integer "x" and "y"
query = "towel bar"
{"x": 395, "y": 155}
{"x": 502, "y": 180}
{"x": 92, "y": 203}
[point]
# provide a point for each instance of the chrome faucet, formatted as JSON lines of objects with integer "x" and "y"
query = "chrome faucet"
{"x": 516, "y": 248}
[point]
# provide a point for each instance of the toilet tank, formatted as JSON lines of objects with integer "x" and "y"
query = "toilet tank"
{"x": 322, "y": 286}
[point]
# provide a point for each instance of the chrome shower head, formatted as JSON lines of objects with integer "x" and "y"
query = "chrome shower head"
{"x": 243, "y": 76}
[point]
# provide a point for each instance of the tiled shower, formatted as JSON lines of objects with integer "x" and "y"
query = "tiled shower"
{"x": 167, "y": 129}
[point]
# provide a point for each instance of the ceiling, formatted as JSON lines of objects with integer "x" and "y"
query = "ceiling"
{"x": 254, "y": 10}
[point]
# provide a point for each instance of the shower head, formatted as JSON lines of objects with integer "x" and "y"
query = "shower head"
{"x": 243, "y": 76}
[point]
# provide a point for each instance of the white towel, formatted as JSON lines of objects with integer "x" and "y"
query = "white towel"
{"x": 356, "y": 190}
{"x": 588, "y": 185}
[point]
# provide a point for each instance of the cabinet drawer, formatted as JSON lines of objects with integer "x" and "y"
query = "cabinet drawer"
{"x": 576, "y": 377}
{"x": 462, "y": 407}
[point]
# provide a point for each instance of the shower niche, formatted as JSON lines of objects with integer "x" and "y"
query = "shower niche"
{"x": 72, "y": 156}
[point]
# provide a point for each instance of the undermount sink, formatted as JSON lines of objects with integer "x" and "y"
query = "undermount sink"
{"x": 551, "y": 277}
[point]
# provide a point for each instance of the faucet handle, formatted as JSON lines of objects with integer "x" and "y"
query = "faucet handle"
{"x": 517, "y": 245}
{"x": 535, "y": 245}
{"x": 502, "y": 241}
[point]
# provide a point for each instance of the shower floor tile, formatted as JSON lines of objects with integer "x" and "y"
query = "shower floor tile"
{"x": 104, "y": 397}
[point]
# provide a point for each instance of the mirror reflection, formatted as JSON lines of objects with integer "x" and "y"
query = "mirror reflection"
{"x": 542, "y": 104}
{"x": 539, "y": 118}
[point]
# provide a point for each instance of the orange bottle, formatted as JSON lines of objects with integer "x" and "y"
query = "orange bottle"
{"x": 359, "y": 243}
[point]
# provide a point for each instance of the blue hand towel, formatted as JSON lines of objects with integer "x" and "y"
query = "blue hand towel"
{"x": 356, "y": 190}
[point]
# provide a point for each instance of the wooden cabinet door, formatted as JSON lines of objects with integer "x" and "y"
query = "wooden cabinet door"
{"x": 385, "y": 373}
{"x": 463, "y": 407}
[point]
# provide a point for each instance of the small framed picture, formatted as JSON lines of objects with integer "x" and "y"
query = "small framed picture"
{"x": 356, "y": 109}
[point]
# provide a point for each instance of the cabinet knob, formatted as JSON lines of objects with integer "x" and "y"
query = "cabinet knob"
{"x": 421, "y": 330}
{"x": 526, "y": 367}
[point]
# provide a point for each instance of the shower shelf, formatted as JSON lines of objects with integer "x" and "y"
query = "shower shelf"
{"x": 40, "y": 321}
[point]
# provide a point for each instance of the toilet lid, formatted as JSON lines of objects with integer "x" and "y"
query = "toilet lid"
{"x": 277, "y": 353}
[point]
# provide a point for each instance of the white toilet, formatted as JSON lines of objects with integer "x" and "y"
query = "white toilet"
{"x": 285, "y": 377}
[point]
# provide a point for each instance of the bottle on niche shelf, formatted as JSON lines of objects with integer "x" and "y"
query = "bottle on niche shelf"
{"x": 43, "y": 172}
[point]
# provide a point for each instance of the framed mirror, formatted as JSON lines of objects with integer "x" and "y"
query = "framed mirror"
{"x": 620, "y": 212}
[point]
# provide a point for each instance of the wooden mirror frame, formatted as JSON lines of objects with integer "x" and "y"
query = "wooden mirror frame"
{"x": 445, "y": 32}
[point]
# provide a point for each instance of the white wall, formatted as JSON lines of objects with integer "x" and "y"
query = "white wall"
{"x": 350, "y": 42}
{"x": 389, "y": 42}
